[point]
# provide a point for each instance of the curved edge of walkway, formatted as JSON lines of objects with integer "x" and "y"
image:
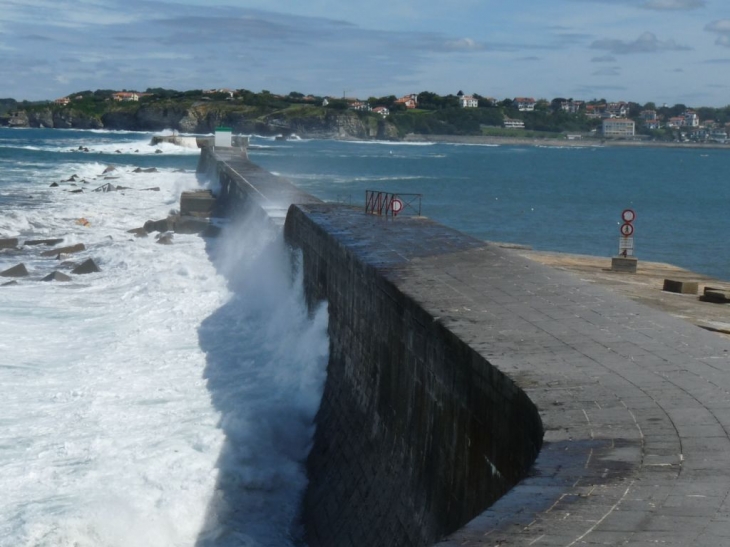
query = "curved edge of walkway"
{"x": 635, "y": 404}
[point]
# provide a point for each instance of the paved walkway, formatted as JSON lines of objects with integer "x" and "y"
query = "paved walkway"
{"x": 635, "y": 402}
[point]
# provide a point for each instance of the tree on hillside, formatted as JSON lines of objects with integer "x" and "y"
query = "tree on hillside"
{"x": 556, "y": 103}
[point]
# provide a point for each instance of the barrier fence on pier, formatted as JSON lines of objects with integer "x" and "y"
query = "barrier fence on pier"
{"x": 392, "y": 205}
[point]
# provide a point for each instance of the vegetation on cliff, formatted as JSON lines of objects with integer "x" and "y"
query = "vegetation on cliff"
{"x": 198, "y": 111}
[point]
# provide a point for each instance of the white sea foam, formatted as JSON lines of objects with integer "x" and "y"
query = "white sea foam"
{"x": 165, "y": 401}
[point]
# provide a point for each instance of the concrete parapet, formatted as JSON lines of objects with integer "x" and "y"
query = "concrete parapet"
{"x": 417, "y": 432}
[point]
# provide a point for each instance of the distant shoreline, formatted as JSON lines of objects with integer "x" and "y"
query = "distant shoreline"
{"x": 577, "y": 143}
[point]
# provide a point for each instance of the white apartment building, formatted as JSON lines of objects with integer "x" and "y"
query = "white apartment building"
{"x": 618, "y": 127}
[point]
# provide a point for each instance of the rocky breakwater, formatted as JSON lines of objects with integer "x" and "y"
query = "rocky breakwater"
{"x": 32, "y": 257}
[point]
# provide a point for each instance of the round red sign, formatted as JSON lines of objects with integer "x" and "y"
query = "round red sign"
{"x": 628, "y": 215}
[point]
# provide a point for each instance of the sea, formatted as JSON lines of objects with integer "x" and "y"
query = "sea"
{"x": 168, "y": 400}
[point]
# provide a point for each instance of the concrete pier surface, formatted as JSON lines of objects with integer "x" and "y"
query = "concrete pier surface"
{"x": 646, "y": 286}
{"x": 635, "y": 402}
{"x": 634, "y": 397}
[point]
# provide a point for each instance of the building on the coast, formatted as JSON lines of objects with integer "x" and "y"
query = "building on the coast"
{"x": 382, "y": 110}
{"x": 691, "y": 119}
{"x": 650, "y": 119}
{"x": 467, "y": 101}
{"x": 230, "y": 92}
{"x": 616, "y": 110}
{"x": 360, "y": 106}
{"x": 618, "y": 127}
{"x": 511, "y": 123}
{"x": 409, "y": 101}
{"x": 571, "y": 106}
{"x": 126, "y": 96}
{"x": 675, "y": 122}
{"x": 595, "y": 110}
{"x": 63, "y": 101}
{"x": 525, "y": 104}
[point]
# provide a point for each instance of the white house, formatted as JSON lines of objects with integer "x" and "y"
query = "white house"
{"x": 525, "y": 104}
{"x": 382, "y": 110}
{"x": 125, "y": 96}
{"x": 467, "y": 101}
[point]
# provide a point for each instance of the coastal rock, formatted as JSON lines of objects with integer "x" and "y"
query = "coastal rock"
{"x": 57, "y": 276}
{"x": 150, "y": 170}
{"x": 109, "y": 169}
{"x": 65, "y": 250}
{"x": 153, "y": 189}
{"x": 165, "y": 239}
{"x": 16, "y": 271}
{"x": 79, "y": 191}
{"x": 86, "y": 267}
{"x": 54, "y": 185}
{"x": 138, "y": 232}
{"x": 72, "y": 178}
{"x": 108, "y": 187}
{"x": 9, "y": 283}
{"x": 48, "y": 242}
{"x": 9, "y": 243}
{"x": 157, "y": 225}
{"x": 191, "y": 225}
{"x": 19, "y": 119}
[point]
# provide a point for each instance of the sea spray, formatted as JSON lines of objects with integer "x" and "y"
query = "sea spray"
{"x": 266, "y": 366}
{"x": 167, "y": 400}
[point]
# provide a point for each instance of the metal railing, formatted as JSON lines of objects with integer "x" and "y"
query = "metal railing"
{"x": 392, "y": 205}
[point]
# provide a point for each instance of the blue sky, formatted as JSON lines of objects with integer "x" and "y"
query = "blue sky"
{"x": 666, "y": 51}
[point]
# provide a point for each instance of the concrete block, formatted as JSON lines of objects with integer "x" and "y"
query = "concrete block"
{"x": 198, "y": 203}
{"x": 9, "y": 243}
{"x": 681, "y": 287}
{"x": 717, "y": 296}
{"x": 624, "y": 264}
{"x": 65, "y": 250}
{"x": 16, "y": 271}
{"x": 86, "y": 267}
{"x": 57, "y": 276}
{"x": 48, "y": 242}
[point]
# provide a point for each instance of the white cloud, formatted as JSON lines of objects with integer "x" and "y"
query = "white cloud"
{"x": 608, "y": 71}
{"x": 674, "y": 4}
{"x": 465, "y": 44}
{"x": 646, "y": 43}
{"x": 721, "y": 27}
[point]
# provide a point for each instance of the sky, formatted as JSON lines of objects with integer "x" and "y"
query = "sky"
{"x": 663, "y": 51}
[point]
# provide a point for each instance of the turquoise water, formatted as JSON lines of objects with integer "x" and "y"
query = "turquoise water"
{"x": 556, "y": 199}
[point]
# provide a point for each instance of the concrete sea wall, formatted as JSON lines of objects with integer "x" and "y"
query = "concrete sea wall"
{"x": 417, "y": 433}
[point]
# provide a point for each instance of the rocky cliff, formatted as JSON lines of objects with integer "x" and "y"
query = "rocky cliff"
{"x": 204, "y": 118}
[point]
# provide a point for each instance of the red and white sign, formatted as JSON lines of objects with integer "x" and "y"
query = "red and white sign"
{"x": 628, "y": 215}
{"x": 627, "y": 229}
{"x": 396, "y": 206}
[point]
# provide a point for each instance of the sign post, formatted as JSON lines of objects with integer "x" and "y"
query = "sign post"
{"x": 625, "y": 261}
